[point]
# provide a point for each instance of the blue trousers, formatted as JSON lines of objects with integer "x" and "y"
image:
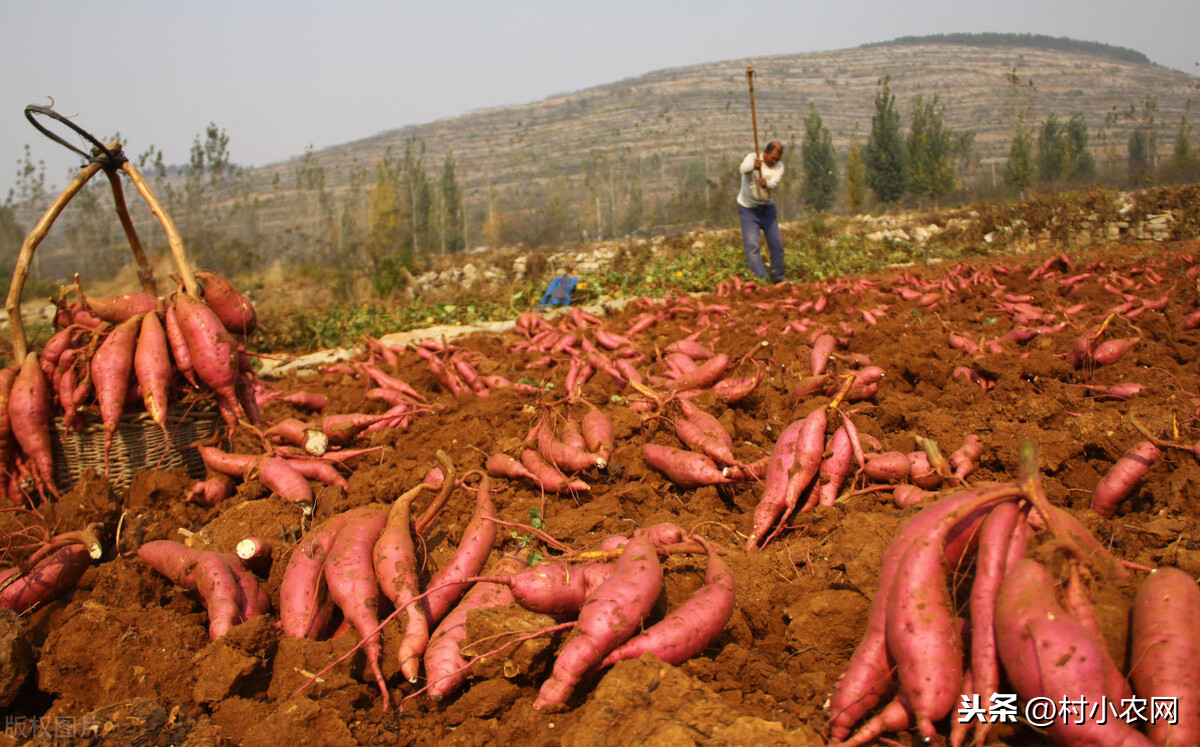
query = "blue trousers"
{"x": 762, "y": 219}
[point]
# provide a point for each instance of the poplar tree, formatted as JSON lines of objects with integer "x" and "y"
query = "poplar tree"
{"x": 885, "y": 148}
{"x": 819, "y": 161}
{"x": 856, "y": 176}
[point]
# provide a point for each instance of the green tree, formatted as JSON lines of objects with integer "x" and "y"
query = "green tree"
{"x": 418, "y": 195}
{"x": 885, "y": 148}
{"x": 1020, "y": 171}
{"x": 1053, "y": 158}
{"x": 1183, "y": 155}
{"x": 1139, "y": 165}
{"x": 819, "y": 161}
{"x": 387, "y": 251}
{"x": 1143, "y": 145}
{"x": 1062, "y": 150}
{"x": 1083, "y": 165}
{"x": 856, "y": 176}
{"x": 930, "y": 151}
{"x": 450, "y": 228}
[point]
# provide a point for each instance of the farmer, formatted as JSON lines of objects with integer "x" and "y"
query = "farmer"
{"x": 759, "y": 177}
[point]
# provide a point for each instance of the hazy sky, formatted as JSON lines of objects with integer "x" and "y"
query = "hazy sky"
{"x": 280, "y": 76}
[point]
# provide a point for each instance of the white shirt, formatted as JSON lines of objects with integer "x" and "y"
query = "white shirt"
{"x": 751, "y": 194}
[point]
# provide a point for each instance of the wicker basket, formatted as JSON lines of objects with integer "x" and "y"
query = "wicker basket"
{"x": 139, "y": 444}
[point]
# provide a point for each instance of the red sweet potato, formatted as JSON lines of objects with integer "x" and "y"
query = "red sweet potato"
{"x": 1048, "y": 654}
{"x": 395, "y": 562}
{"x": 232, "y": 307}
{"x": 687, "y": 469}
{"x": 8, "y": 375}
{"x": 29, "y": 417}
{"x": 211, "y": 491}
{"x": 1118, "y": 483}
{"x": 121, "y": 308}
{"x": 207, "y": 573}
{"x": 834, "y": 467}
{"x": 869, "y": 675}
{"x": 808, "y": 447}
{"x": 284, "y": 479}
{"x": 468, "y": 560}
{"x": 152, "y": 366}
{"x": 890, "y": 466}
{"x": 445, "y": 667}
{"x": 1165, "y": 652}
{"x": 350, "y": 573}
{"x": 50, "y": 578}
{"x": 607, "y": 619}
{"x": 548, "y": 477}
{"x": 213, "y": 353}
{"x": 502, "y": 465}
{"x": 304, "y": 610}
{"x": 685, "y": 631}
{"x": 179, "y": 346}
{"x": 704, "y": 375}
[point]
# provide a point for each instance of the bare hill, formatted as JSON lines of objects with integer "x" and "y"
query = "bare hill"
{"x": 656, "y": 125}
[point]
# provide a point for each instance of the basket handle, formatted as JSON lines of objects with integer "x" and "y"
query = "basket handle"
{"x": 110, "y": 158}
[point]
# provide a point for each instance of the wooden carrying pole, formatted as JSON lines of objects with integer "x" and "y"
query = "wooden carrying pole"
{"x": 13, "y": 304}
{"x": 25, "y": 259}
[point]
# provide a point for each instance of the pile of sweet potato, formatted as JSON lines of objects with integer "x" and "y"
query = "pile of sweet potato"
{"x": 115, "y": 355}
{"x": 1028, "y": 627}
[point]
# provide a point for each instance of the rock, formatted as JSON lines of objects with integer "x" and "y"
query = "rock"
{"x": 833, "y": 618}
{"x": 495, "y": 626}
{"x": 222, "y": 672}
{"x": 16, "y": 657}
{"x": 644, "y": 701}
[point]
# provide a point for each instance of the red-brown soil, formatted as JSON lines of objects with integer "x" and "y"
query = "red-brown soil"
{"x": 127, "y": 657}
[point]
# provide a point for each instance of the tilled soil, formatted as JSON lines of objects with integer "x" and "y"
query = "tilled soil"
{"x": 126, "y": 657}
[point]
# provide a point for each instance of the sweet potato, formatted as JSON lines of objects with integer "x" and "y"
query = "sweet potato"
{"x": 445, "y": 667}
{"x": 607, "y": 619}
{"x": 1118, "y": 483}
{"x": 502, "y": 465}
{"x": 597, "y": 432}
{"x": 869, "y": 675}
{"x": 179, "y": 346}
{"x": 232, "y": 307}
{"x": 772, "y": 502}
{"x": 555, "y": 587}
{"x": 548, "y": 477}
{"x": 284, "y": 479}
{"x": 890, "y": 466}
{"x": 121, "y": 308}
{"x": 794, "y": 471}
{"x": 563, "y": 455}
{"x": 685, "y": 632}
{"x": 704, "y": 375}
{"x": 304, "y": 611}
{"x": 48, "y": 579}
{"x": 29, "y": 417}
{"x": 990, "y": 562}
{"x": 213, "y": 353}
{"x": 350, "y": 573}
{"x": 8, "y": 375}
{"x": 472, "y": 553}
{"x": 395, "y": 563}
{"x": 1048, "y": 654}
{"x": 152, "y": 366}
{"x": 687, "y": 469}
{"x": 1165, "y": 652}
{"x": 211, "y": 491}
{"x": 207, "y": 573}
{"x": 834, "y": 467}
